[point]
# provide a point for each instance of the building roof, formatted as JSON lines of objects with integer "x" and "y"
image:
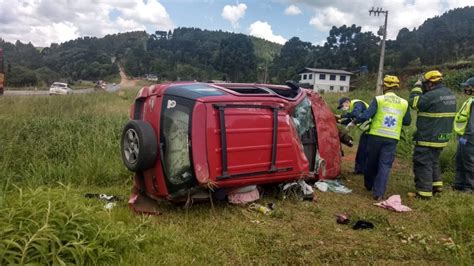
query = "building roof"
{"x": 322, "y": 70}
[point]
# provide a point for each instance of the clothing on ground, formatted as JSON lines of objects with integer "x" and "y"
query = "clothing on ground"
{"x": 333, "y": 186}
{"x": 393, "y": 203}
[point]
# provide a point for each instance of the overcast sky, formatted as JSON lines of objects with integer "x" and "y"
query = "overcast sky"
{"x": 45, "y": 21}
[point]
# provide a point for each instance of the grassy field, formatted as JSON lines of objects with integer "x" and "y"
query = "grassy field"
{"x": 53, "y": 150}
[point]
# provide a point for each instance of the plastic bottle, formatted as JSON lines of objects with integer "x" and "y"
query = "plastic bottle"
{"x": 260, "y": 208}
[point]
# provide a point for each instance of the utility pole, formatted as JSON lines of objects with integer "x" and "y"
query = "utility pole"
{"x": 377, "y": 11}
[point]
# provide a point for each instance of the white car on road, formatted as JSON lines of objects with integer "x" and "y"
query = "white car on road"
{"x": 59, "y": 88}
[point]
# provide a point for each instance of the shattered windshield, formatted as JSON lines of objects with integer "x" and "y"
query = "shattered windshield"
{"x": 176, "y": 156}
{"x": 303, "y": 117}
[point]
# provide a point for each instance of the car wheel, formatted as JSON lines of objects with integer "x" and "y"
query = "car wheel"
{"x": 139, "y": 146}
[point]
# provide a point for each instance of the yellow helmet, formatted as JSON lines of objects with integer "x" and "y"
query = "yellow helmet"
{"x": 391, "y": 81}
{"x": 433, "y": 76}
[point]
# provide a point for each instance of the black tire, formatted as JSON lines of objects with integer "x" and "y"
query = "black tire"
{"x": 139, "y": 146}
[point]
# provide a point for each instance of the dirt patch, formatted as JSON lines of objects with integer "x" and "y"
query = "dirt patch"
{"x": 125, "y": 81}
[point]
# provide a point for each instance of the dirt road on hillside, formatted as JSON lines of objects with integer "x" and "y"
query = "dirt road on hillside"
{"x": 126, "y": 81}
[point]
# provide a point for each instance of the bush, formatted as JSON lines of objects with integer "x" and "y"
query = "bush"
{"x": 54, "y": 227}
{"x": 453, "y": 79}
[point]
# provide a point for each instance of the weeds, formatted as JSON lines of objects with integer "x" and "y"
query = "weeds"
{"x": 45, "y": 226}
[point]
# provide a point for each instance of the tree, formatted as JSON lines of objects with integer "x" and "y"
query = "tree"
{"x": 236, "y": 58}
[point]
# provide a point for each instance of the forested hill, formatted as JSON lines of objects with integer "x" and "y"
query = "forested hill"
{"x": 446, "y": 38}
{"x": 185, "y": 53}
{"x": 195, "y": 54}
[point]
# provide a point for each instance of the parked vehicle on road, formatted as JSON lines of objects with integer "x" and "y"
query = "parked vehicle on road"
{"x": 100, "y": 85}
{"x": 60, "y": 88}
{"x": 187, "y": 137}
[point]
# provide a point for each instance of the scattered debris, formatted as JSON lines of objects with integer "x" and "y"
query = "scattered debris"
{"x": 333, "y": 186}
{"x": 110, "y": 199}
{"x": 393, "y": 203}
{"x": 299, "y": 189}
{"x": 260, "y": 208}
{"x": 141, "y": 203}
{"x": 110, "y": 205}
{"x": 105, "y": 197}
{"x": 361, "y": 224}
{"x": 243, "y": 195}
{"x": 342, "y": 218}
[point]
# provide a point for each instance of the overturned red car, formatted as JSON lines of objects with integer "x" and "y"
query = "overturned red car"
{"x": 187, "y": 137}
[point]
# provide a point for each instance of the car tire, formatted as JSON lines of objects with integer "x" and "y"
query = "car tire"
{"x": 139, "y": 146}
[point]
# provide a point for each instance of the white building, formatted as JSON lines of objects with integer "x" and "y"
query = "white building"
{"x": 327, "y": 80}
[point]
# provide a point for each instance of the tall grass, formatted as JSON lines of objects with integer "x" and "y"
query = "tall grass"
{"x": 44, "y": 140}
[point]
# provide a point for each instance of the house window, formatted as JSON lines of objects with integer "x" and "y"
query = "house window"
{"x": 332, "y": 77}
{"x": 331, "y": 88}
{"x": 310, "y": 76}
{"x": 342, "y": 78}
{"x": 341, "y": 88}
{"x": 304, "y": 76}
{"x": 322, "y": 76}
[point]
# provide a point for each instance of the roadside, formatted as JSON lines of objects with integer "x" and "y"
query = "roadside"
{"x": 40, "y": 92}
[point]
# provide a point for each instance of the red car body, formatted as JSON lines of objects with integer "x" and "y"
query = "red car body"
{"x": 233, "y": 135}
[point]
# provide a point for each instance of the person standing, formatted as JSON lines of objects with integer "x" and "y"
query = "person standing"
{"x": 436, "y": 107}
{"x": 388, "y": 112}
{"x": 353, "y": 109}
{"x": 464, "y": 128}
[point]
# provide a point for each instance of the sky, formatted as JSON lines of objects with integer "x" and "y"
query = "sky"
{"x": 43, "y": 22}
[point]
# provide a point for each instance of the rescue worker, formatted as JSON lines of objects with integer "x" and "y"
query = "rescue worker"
{"x": 388, "y": 112}
{"x": 464, "y": 128}
{"x": 353, "y": 109}
{"x": 436, "y": 107}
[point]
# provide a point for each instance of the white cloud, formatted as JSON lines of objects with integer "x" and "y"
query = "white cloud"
{"x": 234, "y": 13}
{"x": 152, "y": 13}
{"x": 45, "y": 21}
{"x": 326, "y": 18}
{"x": 402, "y": 13}
{"x": 263, "y": 30}
{"x": 292, "y": 10}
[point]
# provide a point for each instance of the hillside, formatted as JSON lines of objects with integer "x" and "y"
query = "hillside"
{"x": 196, "y": 54}
{"x": 185, "y": 53}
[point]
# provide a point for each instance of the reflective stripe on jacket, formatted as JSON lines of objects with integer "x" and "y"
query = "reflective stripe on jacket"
{"x": 436, "y": 110}
{"x": 462, "y": 117}
{"x": 362, "y": 126}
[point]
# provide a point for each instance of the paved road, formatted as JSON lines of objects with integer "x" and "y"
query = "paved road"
{"x": 110, "y": 88}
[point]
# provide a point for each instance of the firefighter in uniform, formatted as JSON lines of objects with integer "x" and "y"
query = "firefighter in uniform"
{"x": 464, "y": 128}
{"x": 388, "y": 112}
{"x": 353, "y": 109}
{"x": 436, "y": 107}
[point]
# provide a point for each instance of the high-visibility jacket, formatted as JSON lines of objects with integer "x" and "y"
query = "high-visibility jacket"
{"x": 436, "y": 110}
{"x": 365, "y": 125}
{"x": 388, "y": 119}
{"x": 462, "y": 117}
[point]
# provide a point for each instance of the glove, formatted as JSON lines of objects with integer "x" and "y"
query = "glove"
{"x": 418, "y": 83}
{"x": 351, "y": 124}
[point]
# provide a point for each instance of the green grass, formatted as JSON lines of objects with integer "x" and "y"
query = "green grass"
{"x": 46, "y": 142}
